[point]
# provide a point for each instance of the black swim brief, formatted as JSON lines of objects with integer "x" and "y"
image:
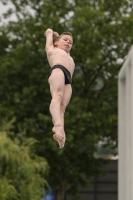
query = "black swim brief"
{"x": 67, "y": 75}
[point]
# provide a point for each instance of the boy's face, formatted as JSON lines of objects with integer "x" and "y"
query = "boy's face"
{"x": 65, "y": 43}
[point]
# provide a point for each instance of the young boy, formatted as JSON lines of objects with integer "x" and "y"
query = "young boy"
{"x": 60, "y": 78}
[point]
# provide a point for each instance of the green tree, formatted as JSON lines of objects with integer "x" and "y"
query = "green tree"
{"x": 102, "y": 35}
{"x": 21, "y": 170}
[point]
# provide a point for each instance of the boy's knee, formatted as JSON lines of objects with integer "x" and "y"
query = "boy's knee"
{"x": 58, "y": 96}
{"x": 63, "y": 107}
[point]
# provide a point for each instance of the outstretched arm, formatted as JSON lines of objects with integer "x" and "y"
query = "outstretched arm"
{"x": 49, "y": 38}
{"x": 49, "y": 33}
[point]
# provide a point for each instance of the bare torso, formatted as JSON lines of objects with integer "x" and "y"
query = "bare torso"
{"x": 57, "y": 56}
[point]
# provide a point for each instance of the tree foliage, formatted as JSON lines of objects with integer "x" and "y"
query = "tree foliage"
{"x": 21, "y": 171}
{"x": 102, "y": 37}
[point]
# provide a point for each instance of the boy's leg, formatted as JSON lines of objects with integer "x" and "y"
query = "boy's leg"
{"x": 56, "y": 81}
{"x": 66, "y": 98}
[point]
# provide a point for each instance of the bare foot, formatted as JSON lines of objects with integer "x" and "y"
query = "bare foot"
{"x": 60, "y": 139}
{"x": 59, "y": 135}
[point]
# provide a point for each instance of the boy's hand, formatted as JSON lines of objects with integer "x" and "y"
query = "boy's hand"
{"x": 48, "y": 30}
{"x": 55, "y": 34}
